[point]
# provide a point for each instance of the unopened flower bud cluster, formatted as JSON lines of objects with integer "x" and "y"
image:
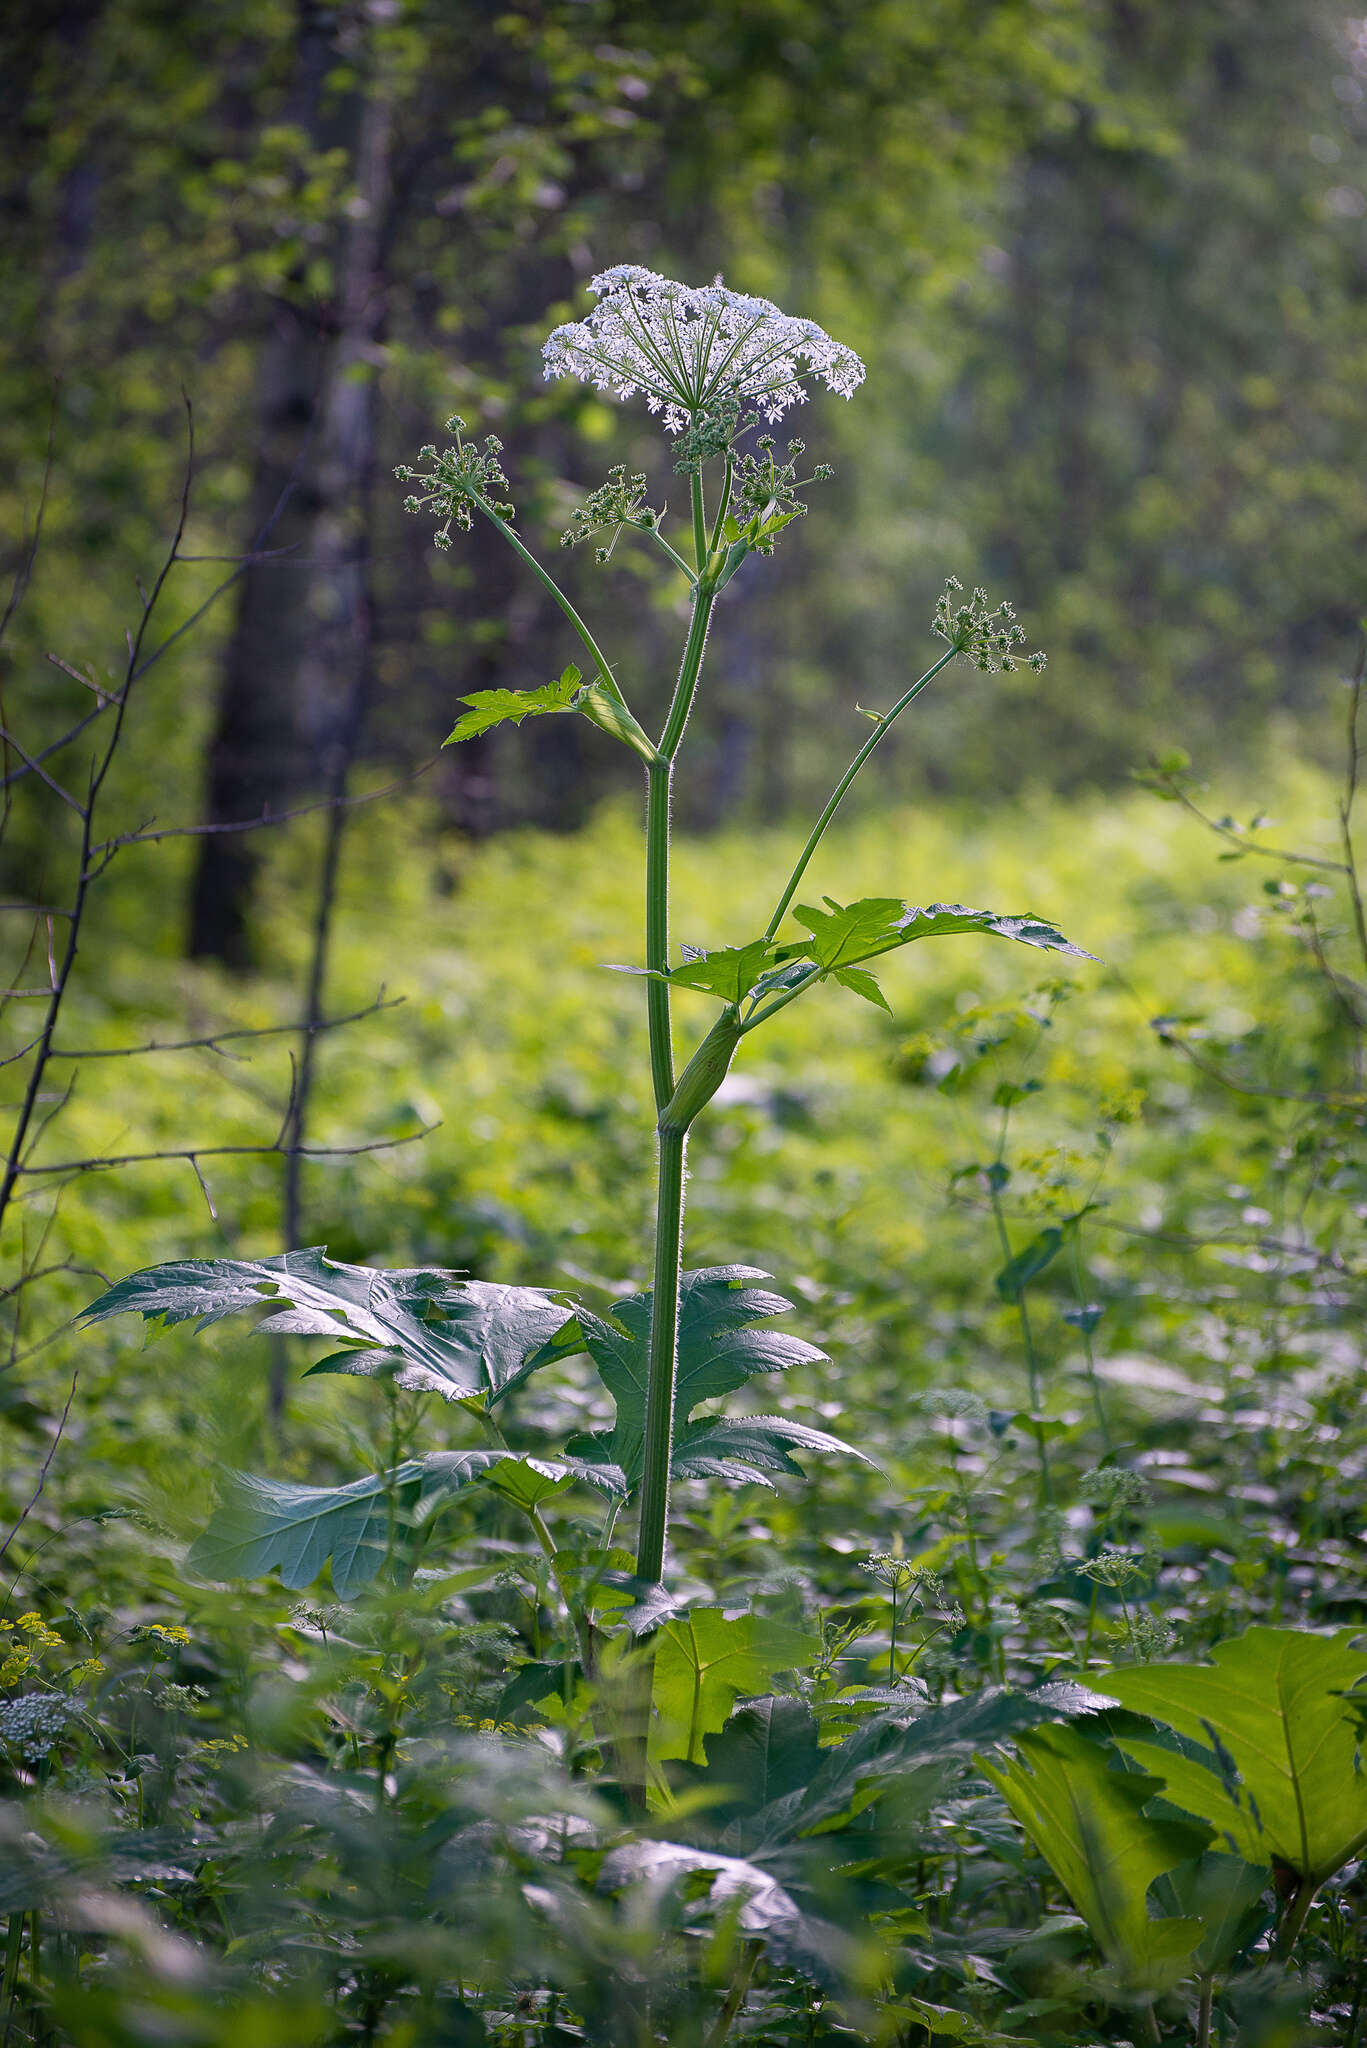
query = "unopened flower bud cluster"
{"x": 456, "y": 479}
{"x": 990, "y": 639}
{"x": 617, "y": 502}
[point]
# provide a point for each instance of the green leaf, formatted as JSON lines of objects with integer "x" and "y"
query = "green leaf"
{"x": 1226, "y": 1895}
{"x": 500, "y": 707}
{"x": 765, "y": 1751}
{"x": 604, "y": 703}
{"x": 270, "y": 1525}
{"x": 718, "y": 1351}
{"x": 895, "y": 1745}
{"x": 745, "y": 1448}
{"x": 843, "y": 935}
{"x": 273, "y": 1525}
{"x": 1028, "y": 1263}
{"x": 863, "y": 984}
{"x": 1271, "y": 1750}
{"x": 704, "y": 1660}
{"x": 729, "y": 972}
{"x": 1089, "y": 1823}
{"x": 430, "y": 1329}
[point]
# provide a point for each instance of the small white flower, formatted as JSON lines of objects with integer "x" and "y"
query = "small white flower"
{"x": 690, "y": 348}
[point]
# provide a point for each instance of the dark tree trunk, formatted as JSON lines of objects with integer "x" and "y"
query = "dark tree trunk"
{"x": 253, "y": 760}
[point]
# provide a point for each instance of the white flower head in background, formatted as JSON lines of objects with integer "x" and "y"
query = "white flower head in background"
{"x": 692, "y": 350}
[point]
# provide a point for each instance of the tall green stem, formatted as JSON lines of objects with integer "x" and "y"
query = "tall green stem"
{"x": 664, "y": 1347}
{"x": 673, "y": 1129}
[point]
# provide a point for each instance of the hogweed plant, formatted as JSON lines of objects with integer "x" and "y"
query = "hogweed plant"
{"x": 716, "y": 367}
{"x": 802, "y": 1824}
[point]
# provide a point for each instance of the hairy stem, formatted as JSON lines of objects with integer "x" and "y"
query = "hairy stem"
{"x": 663, "y": 1362}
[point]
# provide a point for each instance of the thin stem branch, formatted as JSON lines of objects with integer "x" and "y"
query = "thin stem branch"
{"x": 818, "y": 830}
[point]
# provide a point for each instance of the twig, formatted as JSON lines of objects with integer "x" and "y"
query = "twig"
{"x": 215, "y": 1039}
{"x": 46, "y": 1466}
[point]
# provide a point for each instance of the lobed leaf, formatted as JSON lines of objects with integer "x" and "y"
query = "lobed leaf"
{"x": 1089, "y": 1821}
{"x": 430, "y": 1329}
{"x": 1270, "y": 1744}
{"x": 718, "y": 1351}
{"x": 489, "y": 708}
{"x": 704, "y": 1660}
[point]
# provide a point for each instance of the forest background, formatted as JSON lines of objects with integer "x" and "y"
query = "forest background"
{"x": 1105, "y": 261}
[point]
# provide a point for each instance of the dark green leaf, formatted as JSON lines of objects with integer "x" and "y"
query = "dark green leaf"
{"x": 431, "y": 1329}
{"x": 896, "y": 1745}
{"x": 266, "y": 1525}
{"x": 718, "y": 1351}
{"x": 1028, "y": 1263}
{"x": 745, "y": 1448}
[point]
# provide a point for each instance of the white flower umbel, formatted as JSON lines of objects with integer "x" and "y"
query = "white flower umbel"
{"x": 690, "y": 349}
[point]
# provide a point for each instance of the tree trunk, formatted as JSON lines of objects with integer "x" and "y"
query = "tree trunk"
{"x": 253, "y": 764}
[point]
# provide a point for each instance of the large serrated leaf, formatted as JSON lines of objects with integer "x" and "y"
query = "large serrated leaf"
{"x": 1089, "y": 1821}
{"x": 431, "y": 1329}
{"x": 271, "y": 1525}
{"x": 887, "y": 1750}
{"x": 718, "y": 1351}
{"x": 744, "y": 1449}
{"x": 274, "y": 1525}
{"x": 1271, "y": 1755}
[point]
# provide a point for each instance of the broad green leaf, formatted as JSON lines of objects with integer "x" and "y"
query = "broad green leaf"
{"x": 1278, "y": 1771}
{"x": 499, "y": 707}
{"x": 765, "y": 1751}
{"x": 1089, "y": 1823}
{"x": 432, "y": 1330}
{"x": 718, "y": 1351}
{"x": 704, "y": 1661}
{"x": 745, "y": 1448}
{"x": 1016, "y": 1275}
{"x": 270, "y": 1525}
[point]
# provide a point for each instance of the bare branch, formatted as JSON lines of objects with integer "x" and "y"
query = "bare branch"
{"x": 217, "y": 1039}
{"x": 46, "y": 1467}
{"x": 274, "y": 1150}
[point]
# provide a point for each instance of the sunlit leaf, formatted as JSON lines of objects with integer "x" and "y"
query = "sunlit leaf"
{"x": 704, "y": 1660}
{"x": 1271, "y": 1750}
{"x": 718, "y": 1352}
{"x": 1091, "y": 1822}
{"x": 501, "y": 707}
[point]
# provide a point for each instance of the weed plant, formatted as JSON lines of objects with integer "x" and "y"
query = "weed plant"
{"x": 1035, "y": 1718}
